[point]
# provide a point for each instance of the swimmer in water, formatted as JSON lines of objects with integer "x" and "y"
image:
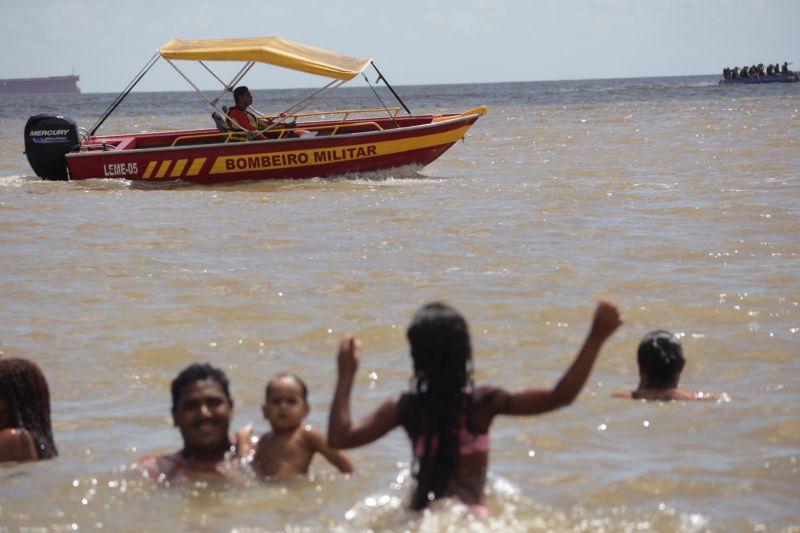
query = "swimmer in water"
{"x": 289, "y": 448}
{"x": 447, "y": 418}
{"x": 25, "y": 430}
{"x": 660, "y": 359}
{"x": 202, "y": 409}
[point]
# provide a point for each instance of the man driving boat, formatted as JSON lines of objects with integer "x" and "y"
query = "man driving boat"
{"x": 239, "y": 115}
{"x": 241, "y": 118}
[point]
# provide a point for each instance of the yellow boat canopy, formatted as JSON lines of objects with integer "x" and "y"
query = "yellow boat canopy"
{"x": 271, "y": 50}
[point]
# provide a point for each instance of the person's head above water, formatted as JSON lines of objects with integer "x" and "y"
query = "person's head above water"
{"x": 661, "y": 361}
{"x": 202, "y": 408}
{"x": 440, "y": 348}
{"x": 199, "y": 372}
{"x": 288, "y": 376}
{"x": 25, "y": 403}
{"x": 286, "y": 402}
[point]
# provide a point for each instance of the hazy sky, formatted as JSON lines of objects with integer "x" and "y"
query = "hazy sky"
{"x": 413, "y": 41}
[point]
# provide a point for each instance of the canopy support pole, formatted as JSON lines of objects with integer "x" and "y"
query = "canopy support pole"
{"x": 380, "y": 77}
{"x": 305, "y": 102}
{"x": 118, "y": 100}
{"x": 385, "y": 107}
{"x": 200, "y": 92}
{"x": 228, "y": 87}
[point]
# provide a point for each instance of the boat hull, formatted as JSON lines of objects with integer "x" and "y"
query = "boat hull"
{"x": 416, "y": 142}
{"x": 782, "y": 78}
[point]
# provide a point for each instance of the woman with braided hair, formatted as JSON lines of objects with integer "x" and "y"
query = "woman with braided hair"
{"x": 447, "y": 418}
{"x": 25, "y": 431}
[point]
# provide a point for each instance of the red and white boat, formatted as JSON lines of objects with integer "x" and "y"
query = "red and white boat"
{"x": 332, "y": 142}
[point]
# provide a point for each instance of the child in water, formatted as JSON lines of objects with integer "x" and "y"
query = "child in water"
{"x": 446, "y": 418}
{"x": 660, "y": 359}
{"x": 289, "y": 448}
{"x": 25, "y": 430}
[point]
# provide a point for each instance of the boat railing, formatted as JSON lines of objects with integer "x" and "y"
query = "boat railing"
{"x": 229, "y": 137}
{"x": 346, "y": 113}
{"x": 236, "y": 136}
{"x": 334, "y": 128}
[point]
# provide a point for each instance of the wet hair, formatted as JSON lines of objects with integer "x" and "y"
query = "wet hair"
{"x": 24, "y": 386}
{"x": 660, "y": 358}
{"x": 442, "y": 383}
{"x": 238, "y": 92}
{"x": 295, "y": 377}
{"x": 198, "y": 372}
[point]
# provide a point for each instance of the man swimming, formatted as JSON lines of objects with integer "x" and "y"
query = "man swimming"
{"x": 202, "y": 409}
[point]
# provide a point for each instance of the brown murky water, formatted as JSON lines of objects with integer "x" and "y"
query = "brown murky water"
{"x": 675, "y": 197}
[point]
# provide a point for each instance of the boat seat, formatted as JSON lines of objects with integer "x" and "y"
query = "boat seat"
{"x": 220, "y": 122}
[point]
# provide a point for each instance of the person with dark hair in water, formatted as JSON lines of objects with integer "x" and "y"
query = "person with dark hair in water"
{"x": 202, "y": 409}
{"x": 660, "y": 360}
{"x": 447, "y": 418}
{"x": 25, "y": 430}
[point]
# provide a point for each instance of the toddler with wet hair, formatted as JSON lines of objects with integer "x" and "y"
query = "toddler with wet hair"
{"x": 289, "y": 448}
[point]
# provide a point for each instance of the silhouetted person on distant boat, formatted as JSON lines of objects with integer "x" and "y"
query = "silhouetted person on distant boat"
{"x": 785, "y": 69}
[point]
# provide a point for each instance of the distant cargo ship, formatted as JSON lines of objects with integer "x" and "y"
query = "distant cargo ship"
{"x": 53, "y": 84}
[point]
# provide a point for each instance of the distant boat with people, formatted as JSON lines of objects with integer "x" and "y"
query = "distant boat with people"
{"x": 52, "y": 84}
{"x": 758, "y": 74}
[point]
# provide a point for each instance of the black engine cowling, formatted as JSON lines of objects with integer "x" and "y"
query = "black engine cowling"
{"x": 48, "y": 138}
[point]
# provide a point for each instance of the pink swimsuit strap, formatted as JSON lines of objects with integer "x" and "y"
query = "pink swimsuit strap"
{"x": 470, "y": 443}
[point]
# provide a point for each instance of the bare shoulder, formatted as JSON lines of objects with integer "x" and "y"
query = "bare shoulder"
{"x": 665, "y": 395}
{"x": 16, "y": 444}
{"x": 492, "y": 397}
{"x": 154, "y": 466}
{"x": 490, "y": 401}
{"x": 681, "y": 394}
{"x": 312, "y": 436}
{"x": 265, "y": 438}
{"x": 392, "y": 402}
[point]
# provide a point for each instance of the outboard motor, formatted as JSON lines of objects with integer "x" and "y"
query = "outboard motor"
{"x": 48, "y": 138}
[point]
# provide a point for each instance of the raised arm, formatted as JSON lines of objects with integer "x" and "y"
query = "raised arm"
{"x": 342, "y": 433}
{"x": 534, "y": 401}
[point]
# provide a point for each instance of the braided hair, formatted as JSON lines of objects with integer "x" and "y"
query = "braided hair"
{"x": 660, "y": 357}
{"x": 442, "y": 383}
{"x": 25, "y": 388}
